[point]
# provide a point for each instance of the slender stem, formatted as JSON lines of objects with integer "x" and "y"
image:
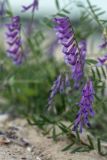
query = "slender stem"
{"x": 94, "y": 15}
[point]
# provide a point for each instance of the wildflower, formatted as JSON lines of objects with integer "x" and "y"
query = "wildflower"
{"x": 14, "y": 50}
{"x": 102, "y": 60}
{"x": 85, "y": 105}
{"x": 54, "y": 89}
{"x": 104, "y": 44}
{"x": 66, "y": 37}
{"x": 78, "y": 68}
{"x": 33, "y": 6}
{"x": 74, "y": 53}
{"x": 83, "y": 50}
{"x": 77, "y": 73}
{"x": 59, "y": 85}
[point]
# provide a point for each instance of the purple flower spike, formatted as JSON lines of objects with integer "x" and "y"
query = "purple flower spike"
{"x": 83, "y": 49}
{"x": 78, "y": 68}
{"x": 74, "y": 53}
{"x": 32, "y": 6}
{"x": 86, "y": 108}
{"x": 54, "y": 90}
{"x": 77, "y": 73}
{"x": 14, "y": 50}
{"x": 65, "y": 36}
{"x": 59, "y": 86}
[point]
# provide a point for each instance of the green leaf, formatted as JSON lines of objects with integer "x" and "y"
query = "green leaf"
{"x": 91, "y": 61}
{"x": 54, "y": 134}
{"x": 93, "y": 74}
{"x": 100, "y": 13}
{"x": 99, "y": 99}
{"x": 48, "y": 22}
{"x": 63, "y": 128}
{"x": 104, "y": 72}
{"x": 91, "y": 142}
{"x": 66, "y": 11}
{"x": 67, "y": 147}
{"x": 9, "y": 13}
{"x": 76, "y": 149}
{"x": 57, "y": 4}
{"x": 61, "y": 14}
{"x": 98, "y": 73}
{"x": 99, "y": 148}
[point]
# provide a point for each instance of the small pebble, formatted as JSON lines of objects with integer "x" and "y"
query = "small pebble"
{"x": 38, "y": 158}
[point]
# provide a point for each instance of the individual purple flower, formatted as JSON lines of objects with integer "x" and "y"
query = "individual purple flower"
{"x": 86, "y": 109}
{"x": 103, "y": 45}
{"x": 102, "y": 60}
{"x": 104, "y": 41}
{"x": 33, "y": 6}
{"x": 14, "y": 42}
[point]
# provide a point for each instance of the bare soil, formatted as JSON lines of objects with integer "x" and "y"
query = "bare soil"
{"x": 28, "y": 143}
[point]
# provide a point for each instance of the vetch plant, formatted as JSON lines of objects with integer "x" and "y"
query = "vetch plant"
{"x": 74, "y": 55}
{"x": 76, "y": 91}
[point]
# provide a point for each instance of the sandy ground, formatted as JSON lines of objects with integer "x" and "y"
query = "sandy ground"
{"x": 39, "y": 147}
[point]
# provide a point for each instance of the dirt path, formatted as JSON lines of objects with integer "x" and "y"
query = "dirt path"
{"x": 38, "y": 147}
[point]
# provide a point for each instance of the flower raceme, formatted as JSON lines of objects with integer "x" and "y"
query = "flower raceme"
{"x": 33, "y": 6}
{"x": 66, "y": 37}
{"x": 78, "y": 68}
{"x": 103, "y": 59}
{"x": 14, "y": 50}
{"x": 85, "y": 105}
{"x": 73, "y": 55}
{"x": 59, "y": 85}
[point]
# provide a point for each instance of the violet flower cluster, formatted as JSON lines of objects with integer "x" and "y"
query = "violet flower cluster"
{"x": 59, "y": 85}
{"x": 104, "y": 40}
{"x": 74, "y": 56}
{"x": 78, "y": 68}
{"x": 86, "y": 108}
{"x": 33, "y": 6}
{"x": 103, "y": 59}
{"x": 14, "y": 50}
